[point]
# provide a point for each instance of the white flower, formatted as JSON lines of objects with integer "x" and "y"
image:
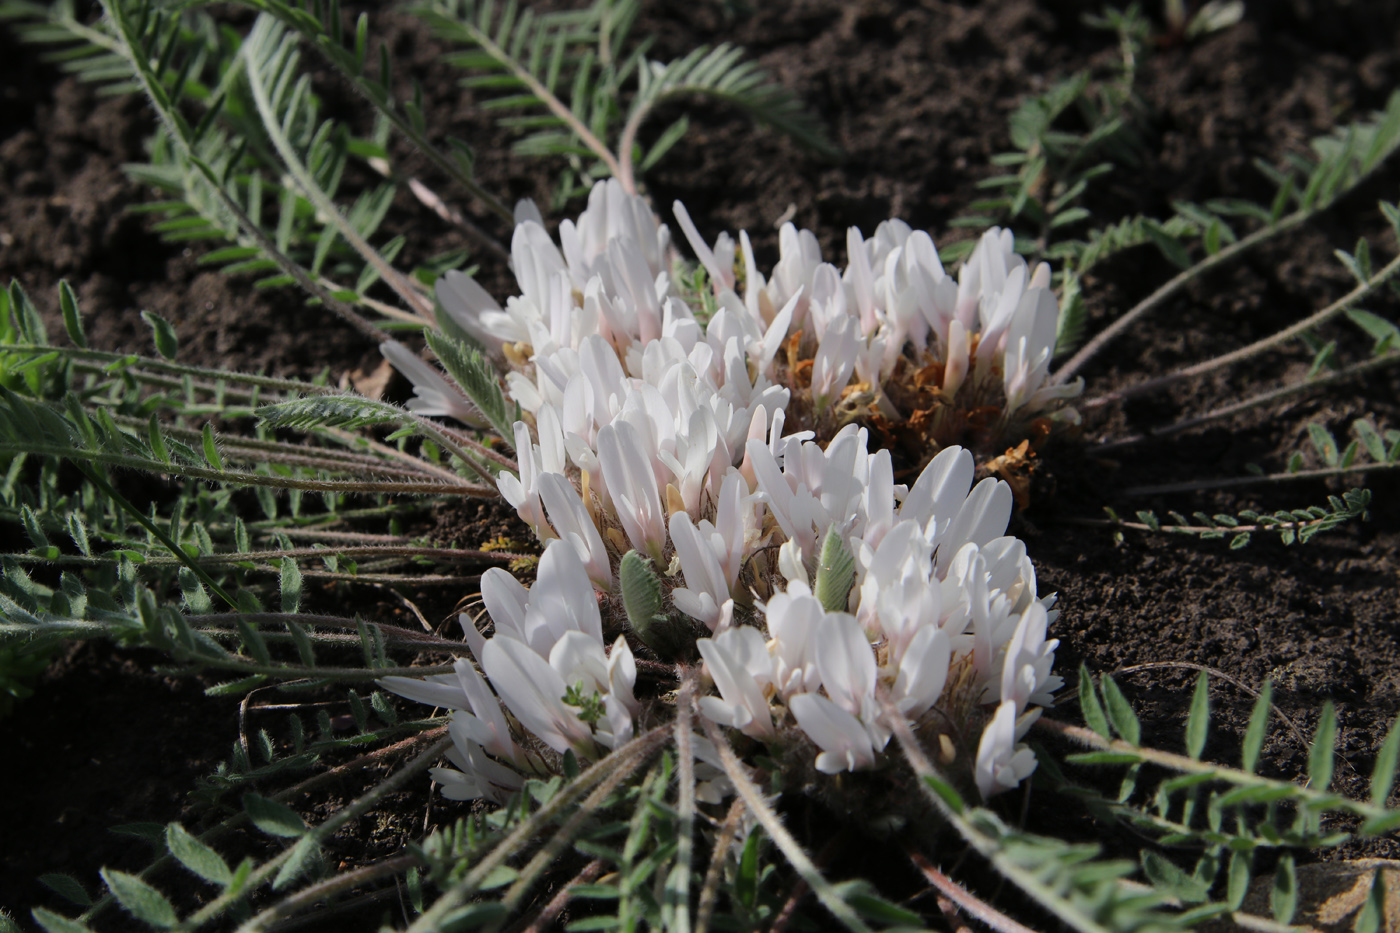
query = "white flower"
{"x": 735, "y": 660}
{"x": 631, "y": 483}
{"x": 1025, "y": 676}
{"x": 534, "y": 693}
{"x": 433, "y": 395}
{"x": 479, "y": 775}
{"x": 479, "y": 716}
{"x": 522, "y": 491}
{"x": 573, "y": 524}
{"x": 1001, "y": 763}
{"x": 845, "y": 742}
{"x": 923, "y": 671}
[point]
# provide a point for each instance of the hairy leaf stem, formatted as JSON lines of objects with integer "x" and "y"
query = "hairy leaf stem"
{"x": 624, "y": 760}
{"x": 1254, "y": 401}
{"x": 1279, "y": 338}
{"x": 259, "y": 57}
{"x": 773, "y": 825}
{"x": 1169, "y": 289}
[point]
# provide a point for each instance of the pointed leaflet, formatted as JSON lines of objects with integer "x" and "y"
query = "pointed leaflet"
{"x": 1089, "y": 704}
{"x": 1384, "y": 776}
{"x": 196, "y": 856}
{"x": 57, "y": 923}
{"x": 1120, "y": 713}
{"x": 67, "y": 887}
{"x": 1258, "y": 727}
{"x": 1199, "y": 719}
{"x": 299, "y": 860}
{"x": 271, "y": 817}
{"x": 166, "y": 342}
{"x": 1320, "y": 757}
{"x": 290, "y": 579}
{"x": 1283, "y": 898}
{"x": 72, "y": 321}
{"x": 141, "y": 900}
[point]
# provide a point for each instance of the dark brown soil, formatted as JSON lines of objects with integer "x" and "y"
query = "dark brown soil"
{"x": 917, "y": 95}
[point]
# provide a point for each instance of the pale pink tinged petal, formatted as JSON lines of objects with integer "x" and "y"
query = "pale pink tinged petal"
{"x": 571, "y": 519}
{"x": 699, "y": 605}
{"x": 772, "y": 484}
{"x": 955, "y": 370}
{"x": 923, "y": 671}
{"x": 579, "y": 660}
{"x": 844, "y": 742}
{"x": 433, "y": 393}
{"x": 1041, "y": 276}
{"x": 701, "y": 248}
{"x": 879, "y": 497}
{"x": 632, "y": 482}
{"x": 525, "y": 210}
{"x": 845, "y": 661}
{"x": 996, "y": 746}
{"x": 620, "y": 724}
{"x": 488, "y": 712}
{"x": 505, "y": 600}
{"x": 776, "y": 334}
{"x": 862, "y": 278}
{"x": 562, "y": 597}
{"x": 475, "y": 640}
{"x": 456, "y": 785}
{"x": 747, "y": 647}
{"x": 441, "y": 690}
{"x": 726, "y": 714}
{"x": 941, "y": 488}
{"x": 622, "y": 675}
{"x": 738, "y": 688}
{"x": 753, "y": 280}
{"x": 533, "y": 691}
{"x": 465, "y": 301}
{"x": 790, "y": 564}
{"x": 496, "y": 775}
{"x": 982, "y": 517}
{"x": 699, "y": 563}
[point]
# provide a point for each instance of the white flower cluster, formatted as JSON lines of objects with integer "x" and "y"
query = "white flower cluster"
{"x": 659, "y": 432}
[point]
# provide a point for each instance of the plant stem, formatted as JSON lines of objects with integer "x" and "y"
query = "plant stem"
{"x": 1179, "y": 281}
{"x": 448, "y": 555}
{"x": 627, "y": 758}
{"x": 545, "y": 919}
{"x": 1236, "y": 481}
{"x": 330, "y": 887}
{"x": 1254, "y": 349}
{"x": 677, "y": 895}
{"x": 975, "y": 907}
{"x": 1254, "y": 401}
{"x": 131, "y": 359}
{"x": 773, "y": 825}
{"x": 547, "y": 97}
{"x": 298, "y": 170}
{"x": 361, "y": 805}
{"x": 709, "y": 891}
{"x": 240, "y": 477}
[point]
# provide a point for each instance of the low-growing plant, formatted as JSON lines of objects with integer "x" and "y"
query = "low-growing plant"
{"x": 734, "y": 606}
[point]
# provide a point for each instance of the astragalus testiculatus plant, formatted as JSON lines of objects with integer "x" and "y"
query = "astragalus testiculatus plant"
{"x": 719, "y": 438}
